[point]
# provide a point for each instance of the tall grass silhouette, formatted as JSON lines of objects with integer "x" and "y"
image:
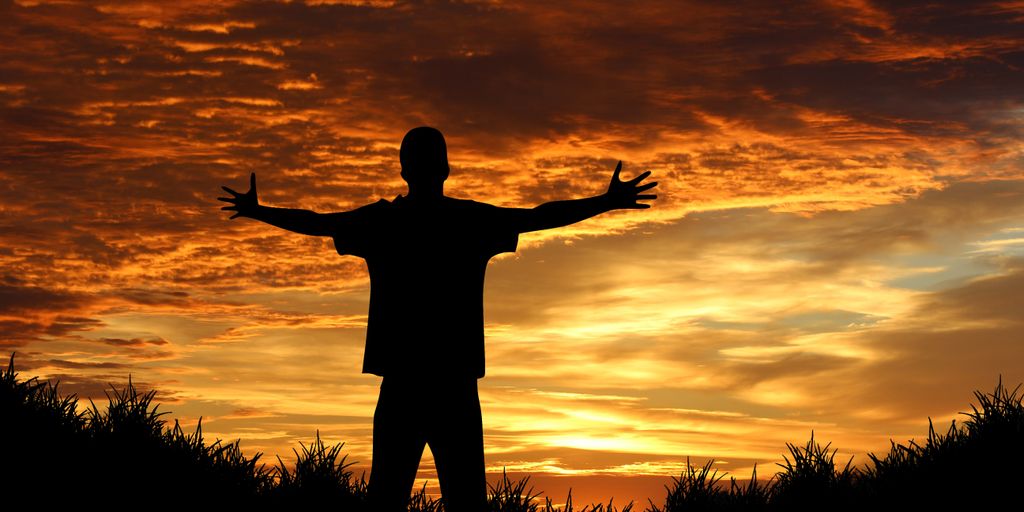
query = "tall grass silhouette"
{"x": 126, "y": 457}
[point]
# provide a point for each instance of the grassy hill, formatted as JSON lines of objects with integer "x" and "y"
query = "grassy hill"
{"x": 127, "y": 457}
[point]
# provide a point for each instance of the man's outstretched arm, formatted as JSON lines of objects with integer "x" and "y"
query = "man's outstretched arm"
{"x": 305, "y": 222}
{"x": 620, "y": 194}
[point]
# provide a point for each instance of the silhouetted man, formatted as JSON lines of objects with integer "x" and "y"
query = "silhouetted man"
{"x": 426, "y": 254}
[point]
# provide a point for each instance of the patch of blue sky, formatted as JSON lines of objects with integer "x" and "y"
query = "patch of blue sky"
{"x": 956, "y": 261}
{"x": 807, "y": 322}
{"x": 812, "y": 322}
{"x": 1008, "y": 242}
{"x": 933, "y": 272}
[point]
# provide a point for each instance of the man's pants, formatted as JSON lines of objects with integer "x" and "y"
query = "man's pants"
{"x": 443, "y": 414}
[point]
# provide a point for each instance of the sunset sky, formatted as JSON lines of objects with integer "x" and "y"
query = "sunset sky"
{"x": 837, "y": 245}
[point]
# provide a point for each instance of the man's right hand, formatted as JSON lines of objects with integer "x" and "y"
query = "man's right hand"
{"x": 244, "y": 204}
{"x": 626, "y": 194}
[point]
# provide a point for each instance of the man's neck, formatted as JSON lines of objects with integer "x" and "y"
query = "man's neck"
{"x": 421, "y": 195}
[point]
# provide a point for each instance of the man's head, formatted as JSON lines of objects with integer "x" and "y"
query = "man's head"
{"x": 424, "y": 157}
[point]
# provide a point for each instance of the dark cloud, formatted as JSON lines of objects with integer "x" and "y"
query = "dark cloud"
{"x": 30, "y": 313}
{"x": 18, "y": 332}
{"x": 21, "y": 299}
{"x": 60, "y": 363}
{"x": 101, "y": 388}
{"x": 951, "y": 20}
{"x": 65, "y": 324}
{"x": 134, "y": 342}
{"x": 154, "y": 297}
{"x": 922, "y": 96}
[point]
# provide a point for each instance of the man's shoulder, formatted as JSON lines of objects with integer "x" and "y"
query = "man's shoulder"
{"x": 470, "y": 204}
{"x": 361, "y": 217}
{"x": 376, "y": 206}
{"x": 356, "y": 231}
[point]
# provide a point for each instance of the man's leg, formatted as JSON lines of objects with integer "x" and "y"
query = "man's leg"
{"x": 457, "y": 442}
{"x": 398, "y": 441}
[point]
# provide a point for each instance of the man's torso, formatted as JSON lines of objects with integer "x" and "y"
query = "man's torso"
{"x": 427, "y": 264}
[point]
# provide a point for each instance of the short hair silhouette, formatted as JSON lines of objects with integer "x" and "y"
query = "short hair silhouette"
{"x": 424, "y": 155}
